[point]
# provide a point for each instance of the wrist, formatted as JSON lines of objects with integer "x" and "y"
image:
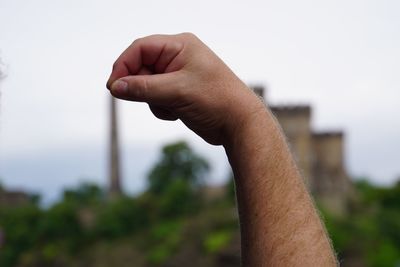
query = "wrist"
{"x": 255, "y": 143}
{"x": 250, "y": 119}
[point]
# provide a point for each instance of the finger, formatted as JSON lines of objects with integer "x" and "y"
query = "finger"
{"x": 145, "y": 71}
{"x": 168, "y": 61}
{"x": 163, "y": 113}
{"x": 159, "y": 89}
{"x": 156, "y": 50}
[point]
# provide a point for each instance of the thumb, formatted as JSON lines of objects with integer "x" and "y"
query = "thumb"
{"x": 157, "y": 89}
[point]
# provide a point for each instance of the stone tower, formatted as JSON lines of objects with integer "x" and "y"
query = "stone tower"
{"x": 332, "y": 184}
{"x": 114, "y": 163}
{"x": 319, "y": 155}
{"x": 295, "y": 122}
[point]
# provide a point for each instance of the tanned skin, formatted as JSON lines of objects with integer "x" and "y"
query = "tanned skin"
{"x": 181, "y": 78}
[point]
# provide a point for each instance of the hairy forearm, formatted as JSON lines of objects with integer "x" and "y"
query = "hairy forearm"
{"x": 279, "y": 224}
{"x": 181, "y": 78}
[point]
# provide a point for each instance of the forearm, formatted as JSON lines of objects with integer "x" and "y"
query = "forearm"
{"x": 279, "y": 224}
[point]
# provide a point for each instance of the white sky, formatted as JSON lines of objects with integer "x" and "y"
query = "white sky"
{"x": 342, "y": 57}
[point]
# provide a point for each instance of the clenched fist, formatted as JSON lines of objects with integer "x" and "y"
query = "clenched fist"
{"x": 181, "y": 78}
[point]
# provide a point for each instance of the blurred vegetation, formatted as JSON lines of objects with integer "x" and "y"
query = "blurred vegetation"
{"x": 177, "y": 223}
{"x": 370, "y": 234}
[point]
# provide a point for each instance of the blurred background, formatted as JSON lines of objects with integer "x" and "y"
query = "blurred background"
{"x": 86, "y": 181}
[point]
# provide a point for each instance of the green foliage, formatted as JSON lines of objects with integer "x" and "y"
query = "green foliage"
{"x": 385, "y": 255}
{"x": 174, "y": 180}
{"x": 178, "y": 199}
{"x": 85, "y": 193}
{"x": 163, "y": 240}
{"x": 48, "y": 232}
{"x": 371, "y": 231}
{"x": 178, "y": 162}
{"x": 171, "y": 217}
{"x": 216, "y": 241}
{"x": 120, "y": 217}
{"x": 60, "y": 222}
{"x": 84, "y": 215}
{"x": 16, "y": 225}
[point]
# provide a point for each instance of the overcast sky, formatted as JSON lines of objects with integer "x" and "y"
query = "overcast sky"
{"x": 342, "y": 57}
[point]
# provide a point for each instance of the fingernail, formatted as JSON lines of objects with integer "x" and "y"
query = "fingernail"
{"x": 119, "y": 86}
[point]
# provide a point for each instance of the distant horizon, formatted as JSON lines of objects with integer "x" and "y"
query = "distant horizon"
{"x": 50, "y": 175}
{"x": 89, "y": 164}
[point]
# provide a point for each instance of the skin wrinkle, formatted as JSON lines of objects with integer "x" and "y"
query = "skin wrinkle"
{"x": 158, "y": 59}
{"x": 129, "y": 66}
{"x": 169, "y": 62}
{"x": 141, "y": 53}
{"x": 175, "y": 57}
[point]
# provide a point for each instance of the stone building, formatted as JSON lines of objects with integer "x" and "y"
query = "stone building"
{"x": 13, "y": 198}
{"x": 319, "y": 155}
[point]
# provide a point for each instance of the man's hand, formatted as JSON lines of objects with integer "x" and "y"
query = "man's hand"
{"x": 181, "y": 78}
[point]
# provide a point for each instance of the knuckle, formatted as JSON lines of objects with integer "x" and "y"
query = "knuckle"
{"x": 156, "y": 36}
{"x": 189, "y": 35}
{"x": 174, "y": 47}
{"x": 136, "y": 41}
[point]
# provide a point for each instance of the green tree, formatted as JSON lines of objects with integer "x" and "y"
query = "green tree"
{"x": 85, "y": 193}
{"x": 120, "y": 217}
{"x": 178, "y": 162}
{"x": 18, "y": 226}
{"x": 174, "y": 181}
{"x": 370, "y": 232}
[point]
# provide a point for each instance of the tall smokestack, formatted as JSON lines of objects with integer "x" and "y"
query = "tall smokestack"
{"x": 115, "y": 183}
